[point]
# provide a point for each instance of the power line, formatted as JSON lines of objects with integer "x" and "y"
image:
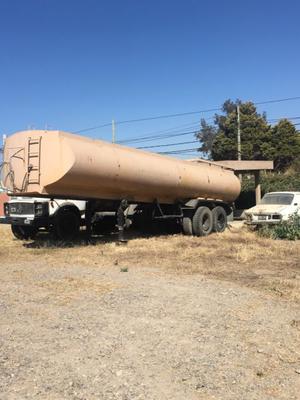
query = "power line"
{"x": 168, "y": 116}
{"x": 168, "y": 145}
{"x": 277, "y": 100}
{"x": 161, "y": 137}
{"x": 93, "y": 128}
{"x": 164, "y": 135}
{"x": 177, "y": 144}
{"x": 171, "y": 135}
{"x": 201, "y": 111}
{"x": 182, "y": 151}
{"x": 174, "y": 129}
{"x": 278, "y": 119}
{"x": 163, "y": 116}
{"x": 149, "y": 119}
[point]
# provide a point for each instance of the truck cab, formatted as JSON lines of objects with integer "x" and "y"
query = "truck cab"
{"x": 273, "y": 208}
{"x": 28, "y": 215}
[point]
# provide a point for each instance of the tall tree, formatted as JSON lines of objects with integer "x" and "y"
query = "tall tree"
{"x": 285, "y": 144}
{"x": 259, "y": 141}
{"x": 255, "y": 132}
{"x": 206, "y": 136}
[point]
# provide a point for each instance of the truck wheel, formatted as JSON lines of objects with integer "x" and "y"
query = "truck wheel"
{"x": 24, "y": 232}
{"x": 67, "y": 224}
{"x": 219, "y": 219}
{"x": 187, "y": 226}
{"x": 202, "y": 221}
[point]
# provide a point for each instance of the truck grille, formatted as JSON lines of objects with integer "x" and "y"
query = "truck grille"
{"x": 21, "y": 208}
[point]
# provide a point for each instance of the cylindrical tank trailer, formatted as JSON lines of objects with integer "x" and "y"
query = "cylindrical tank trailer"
{"x": 58, "y": 164}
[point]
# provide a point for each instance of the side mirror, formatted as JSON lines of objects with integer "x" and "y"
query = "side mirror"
{"x": 295, "y": 204}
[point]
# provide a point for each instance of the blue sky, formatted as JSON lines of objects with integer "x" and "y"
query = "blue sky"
{"x": 75, "y": 64}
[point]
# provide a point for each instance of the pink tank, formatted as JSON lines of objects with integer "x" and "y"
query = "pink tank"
{"x": 60, "y": 164}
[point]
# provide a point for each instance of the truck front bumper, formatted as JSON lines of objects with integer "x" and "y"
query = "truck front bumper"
{"x": 4, "y": 220}
{"x": 37, "y": 222}
{"x": 274, "y": 222}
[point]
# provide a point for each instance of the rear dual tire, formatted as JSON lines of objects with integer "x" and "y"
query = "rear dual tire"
{"x": 219, "y": 219}
{"x": 187, "y": 226}
{"x": 202, "y": 221}
{"x": 205, "y": 221}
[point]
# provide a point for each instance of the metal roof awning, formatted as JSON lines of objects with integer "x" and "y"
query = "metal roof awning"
{"x": 250, "y": 166}
{"x": 241, "y": 166}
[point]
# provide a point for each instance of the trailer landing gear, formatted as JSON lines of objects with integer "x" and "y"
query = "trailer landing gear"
{"x": 121, "y": 222}
{"x": 89, "y": 210}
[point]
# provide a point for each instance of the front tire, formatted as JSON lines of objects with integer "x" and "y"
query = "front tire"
{"x": 202, "y": 221}
{"x": 67, "y": 224}
{"x": 22, "y": 232}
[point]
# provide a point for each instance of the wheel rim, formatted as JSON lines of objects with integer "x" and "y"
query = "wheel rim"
{"x": 221, "y": 221}
{"x": 206, "y": 223}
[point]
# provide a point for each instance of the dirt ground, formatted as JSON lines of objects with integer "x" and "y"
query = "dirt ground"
{"x": 166, "y": 317}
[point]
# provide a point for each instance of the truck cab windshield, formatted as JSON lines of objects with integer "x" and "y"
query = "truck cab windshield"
{"x": 277, "y": 198}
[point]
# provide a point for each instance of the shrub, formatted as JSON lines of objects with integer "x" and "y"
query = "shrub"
{"x": 274, "y": 182}
{"x": 289, "y": 230}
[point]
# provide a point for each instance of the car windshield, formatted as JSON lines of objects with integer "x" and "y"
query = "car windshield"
{"x": 277, "y": 198}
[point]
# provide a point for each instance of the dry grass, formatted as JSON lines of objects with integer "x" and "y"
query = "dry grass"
{"x": 236, "y": 255}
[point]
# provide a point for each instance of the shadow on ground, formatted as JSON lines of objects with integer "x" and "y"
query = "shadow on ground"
{"x": 46, "y": 240}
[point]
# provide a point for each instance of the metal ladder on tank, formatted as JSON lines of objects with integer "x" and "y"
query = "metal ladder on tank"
{"x": 34, "y": 161}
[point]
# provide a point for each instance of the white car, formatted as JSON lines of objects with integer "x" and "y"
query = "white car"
{"x": 273, "y": 208}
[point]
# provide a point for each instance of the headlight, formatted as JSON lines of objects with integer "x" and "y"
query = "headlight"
{"x": 41, "y": 209}
{"x": 6, "y": 209}
{"x": 249, "y": 217}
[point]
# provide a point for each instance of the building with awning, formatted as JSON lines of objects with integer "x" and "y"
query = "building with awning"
{"x": 250, "y": 167}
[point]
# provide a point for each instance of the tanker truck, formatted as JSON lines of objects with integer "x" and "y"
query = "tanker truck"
{"x": 109, "y": 177}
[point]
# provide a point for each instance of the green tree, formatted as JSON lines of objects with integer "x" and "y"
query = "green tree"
{"x": 259, "y": 140}
{"x": 255, "y": 133}
{"x": 206, "y": 136}
{"x": 285, "y": 145}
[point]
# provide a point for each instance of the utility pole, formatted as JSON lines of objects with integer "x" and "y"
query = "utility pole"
{"x": 113, "y": 131}
{"x": 239, "y": 133}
